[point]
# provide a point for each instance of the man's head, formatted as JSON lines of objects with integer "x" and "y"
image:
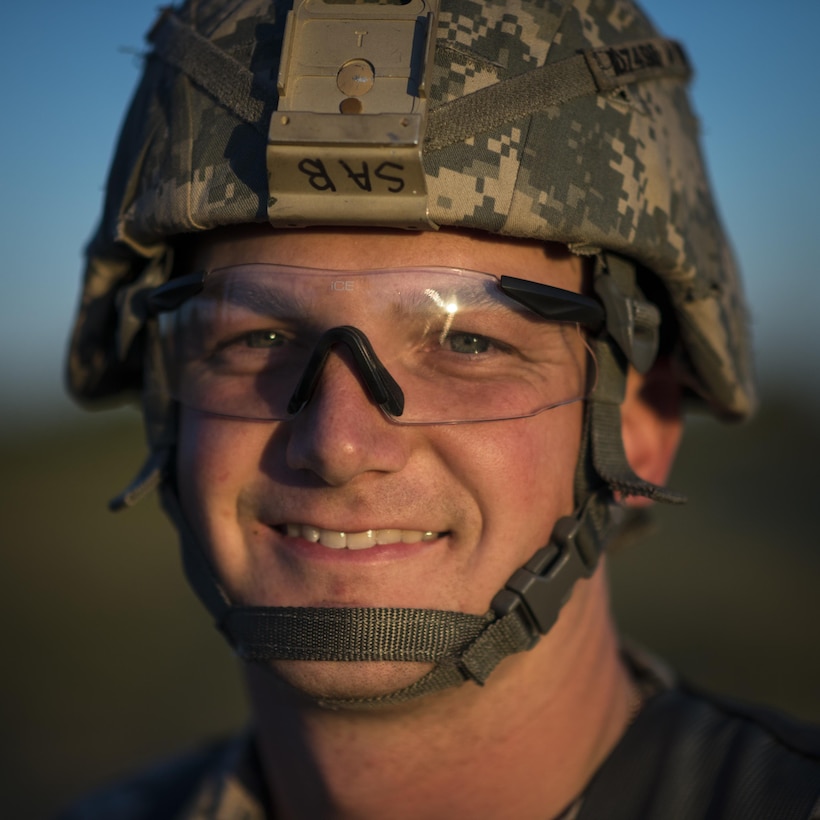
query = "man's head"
{"x": 551, "y": 144}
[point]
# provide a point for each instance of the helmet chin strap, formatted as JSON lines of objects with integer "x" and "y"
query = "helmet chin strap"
{"x": 461, "y": 647}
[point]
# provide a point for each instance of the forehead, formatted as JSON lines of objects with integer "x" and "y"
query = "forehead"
{"x": 347, "y": 249}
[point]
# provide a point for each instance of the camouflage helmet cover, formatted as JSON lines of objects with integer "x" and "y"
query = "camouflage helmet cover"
{"x": 618, "y": 170}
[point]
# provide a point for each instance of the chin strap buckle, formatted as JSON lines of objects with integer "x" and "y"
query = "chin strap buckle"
{"x": 539, "y": 590}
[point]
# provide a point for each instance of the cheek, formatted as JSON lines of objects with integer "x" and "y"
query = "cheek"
{"x": 522, "y": 472}
{"x": 519, "y": 476}
{"x": 213, "y": 456}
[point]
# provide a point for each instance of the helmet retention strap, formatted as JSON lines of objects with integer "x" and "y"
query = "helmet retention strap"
{"x": 631, "y": 338}
{"x": 462, "y": 647}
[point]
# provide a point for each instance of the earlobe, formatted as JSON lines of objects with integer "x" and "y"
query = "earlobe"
{"x": 651, "y": 423}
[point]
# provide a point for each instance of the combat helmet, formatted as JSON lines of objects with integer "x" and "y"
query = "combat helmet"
{"x": 566, "y": 121}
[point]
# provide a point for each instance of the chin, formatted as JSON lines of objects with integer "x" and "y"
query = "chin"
{"x": 318, "y": 680}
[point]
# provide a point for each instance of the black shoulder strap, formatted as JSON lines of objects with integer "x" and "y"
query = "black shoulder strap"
{"x": 687, "y": 757}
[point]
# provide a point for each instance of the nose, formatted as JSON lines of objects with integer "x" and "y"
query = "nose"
{"x": 340, "y": 432}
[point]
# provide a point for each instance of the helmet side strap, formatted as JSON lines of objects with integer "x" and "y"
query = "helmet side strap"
{"x": 631, "y": 339}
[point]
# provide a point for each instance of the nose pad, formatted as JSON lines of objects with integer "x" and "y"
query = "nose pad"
{"x": 380, "y": 384}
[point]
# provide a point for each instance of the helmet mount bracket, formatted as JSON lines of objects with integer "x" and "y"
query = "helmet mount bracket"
{"x": 344, "y": 145}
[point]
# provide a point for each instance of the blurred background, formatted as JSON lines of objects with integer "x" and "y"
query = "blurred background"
{"x": 109, "y": 661}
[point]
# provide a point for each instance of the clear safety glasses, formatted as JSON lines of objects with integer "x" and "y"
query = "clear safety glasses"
{"x": 430, "y": 345}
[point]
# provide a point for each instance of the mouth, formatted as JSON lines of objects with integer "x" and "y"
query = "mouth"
{"x": 363, "y": 540}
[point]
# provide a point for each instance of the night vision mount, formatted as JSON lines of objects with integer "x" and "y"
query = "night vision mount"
{"x": 344, "y": 145}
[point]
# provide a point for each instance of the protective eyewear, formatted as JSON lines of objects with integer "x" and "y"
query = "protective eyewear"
{"x": 431, "y": 345}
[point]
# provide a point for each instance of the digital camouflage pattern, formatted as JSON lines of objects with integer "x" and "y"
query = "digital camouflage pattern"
{"x": 620, "y": 170}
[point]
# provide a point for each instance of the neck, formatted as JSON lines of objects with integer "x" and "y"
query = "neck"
{"x": 524, "y": 745}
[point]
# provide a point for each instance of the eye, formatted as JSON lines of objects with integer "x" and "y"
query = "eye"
{"x": 468, "y": 343}
{"x": 263, "y": 339}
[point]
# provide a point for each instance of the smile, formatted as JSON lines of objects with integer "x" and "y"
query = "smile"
{"x": 333, "y": 539}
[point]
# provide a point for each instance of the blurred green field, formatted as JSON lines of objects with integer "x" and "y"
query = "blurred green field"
{"x": 110, "y": 661}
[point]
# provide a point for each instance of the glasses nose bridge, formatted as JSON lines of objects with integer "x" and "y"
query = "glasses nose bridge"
{"x": 382, "y": 387}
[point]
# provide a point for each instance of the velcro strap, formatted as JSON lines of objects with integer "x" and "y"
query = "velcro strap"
{"x": 212, "y": 69}
{"x": 596, "y": 71}
{"x": 616, "y": 66}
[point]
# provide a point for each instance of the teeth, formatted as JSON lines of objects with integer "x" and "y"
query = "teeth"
{"x": 357, "y": 540}
{"x": 334, "y": 540}
{"x": 361, "y": 540}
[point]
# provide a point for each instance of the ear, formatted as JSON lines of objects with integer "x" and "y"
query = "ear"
{"x": 651, "y": 423}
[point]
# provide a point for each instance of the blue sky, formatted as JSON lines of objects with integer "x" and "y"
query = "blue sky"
{"x": 70, "y": 67}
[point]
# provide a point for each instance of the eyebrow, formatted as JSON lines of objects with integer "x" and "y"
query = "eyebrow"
{"x": 260, "y": 295}
{"x": 469, "y": 297}
{"x": 259, "y": 298}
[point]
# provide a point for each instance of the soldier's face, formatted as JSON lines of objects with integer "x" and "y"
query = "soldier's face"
{"x": 489, "y": 492}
